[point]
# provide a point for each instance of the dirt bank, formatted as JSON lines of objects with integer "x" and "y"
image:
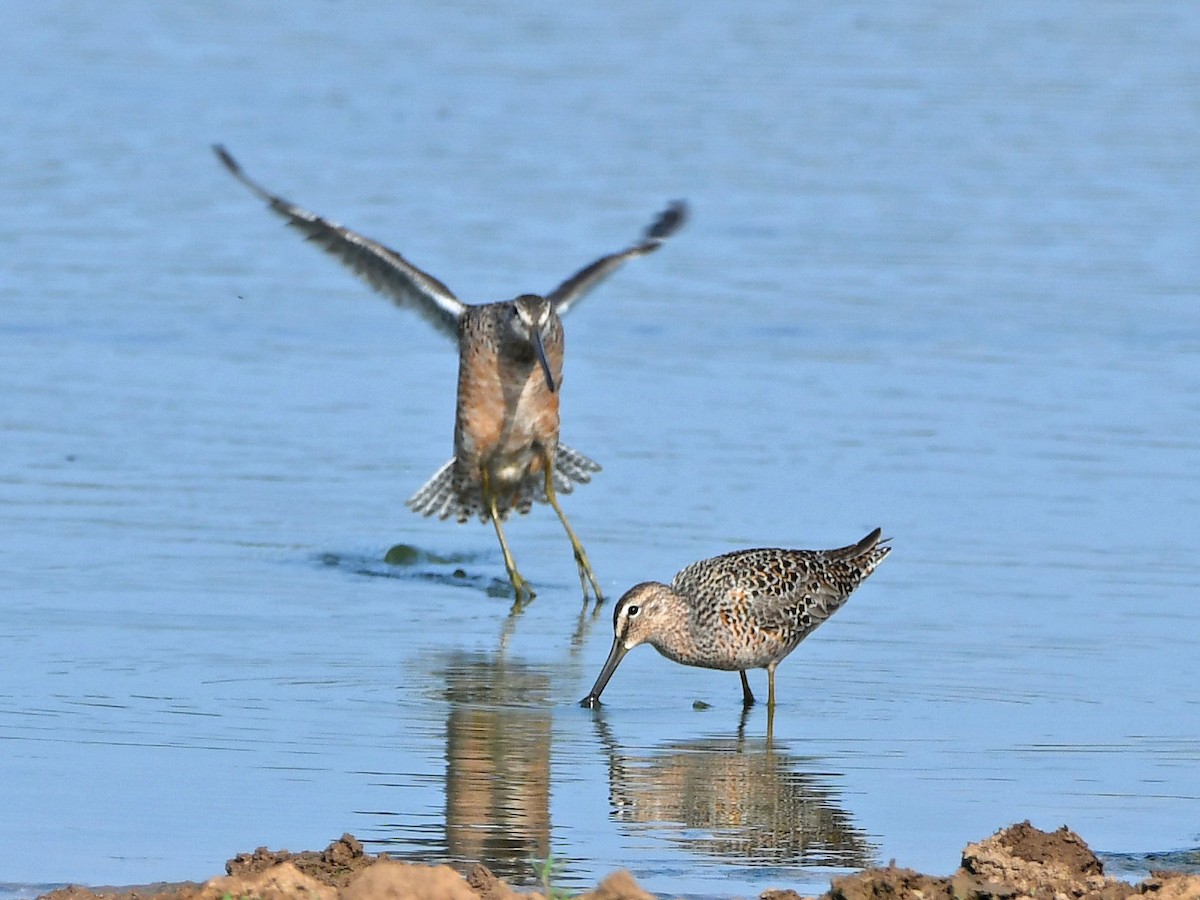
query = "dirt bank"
{"x": 1018, "y": 862}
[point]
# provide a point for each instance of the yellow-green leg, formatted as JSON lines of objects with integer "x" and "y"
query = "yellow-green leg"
{"x": 520, "y": 585}
{"x": 770, "y": 703}
{"x": 586, "y": 575}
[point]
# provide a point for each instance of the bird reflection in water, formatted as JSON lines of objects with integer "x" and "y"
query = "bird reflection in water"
{"x": 497, "y": 763}
{"x": 736, "y": 799}
{"x": 497, "y": 781}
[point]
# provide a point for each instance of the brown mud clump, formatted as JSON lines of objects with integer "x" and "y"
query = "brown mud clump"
{"x": 1037, "y": 864}
{"x": 334, "y": 866}
{"x": 1018, "y": 863}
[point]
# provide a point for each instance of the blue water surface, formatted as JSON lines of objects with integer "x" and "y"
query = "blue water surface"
{"x": 942, "y": 276}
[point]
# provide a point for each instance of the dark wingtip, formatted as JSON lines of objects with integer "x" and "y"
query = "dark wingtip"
{"x": 235, "y": 169}
{"x": 871, "y": 541}
{"x": 866, "y": 545}
{"x": 877, "y": 543}
{"x": 669, "y": 221}
{"x": 226, "y": 160}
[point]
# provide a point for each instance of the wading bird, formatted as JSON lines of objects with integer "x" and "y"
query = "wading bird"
{"x": 507, "y": 454}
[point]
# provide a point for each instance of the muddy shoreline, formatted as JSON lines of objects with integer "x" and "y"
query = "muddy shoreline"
{"x": 1017, "y": 862}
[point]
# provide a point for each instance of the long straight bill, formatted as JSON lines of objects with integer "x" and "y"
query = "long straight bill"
{"x": 615, "y": 655}
{"x": 540, "y": 349}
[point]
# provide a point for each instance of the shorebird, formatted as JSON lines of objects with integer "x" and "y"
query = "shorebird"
{"x": 507, "y": 454}
{"x": 744, "y": 610}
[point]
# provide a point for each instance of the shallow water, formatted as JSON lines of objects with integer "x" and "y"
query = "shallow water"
{"x": 941, "y": 277}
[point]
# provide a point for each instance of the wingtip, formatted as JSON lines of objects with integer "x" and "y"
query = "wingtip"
{"x": 235, "y": 169}
{"x": 877, "y": 539}
{"x": 226, "y": 159}
{"x": 872, "y": 542}
{"x": 669, "y": 221}
{"x": 878, "y": 543}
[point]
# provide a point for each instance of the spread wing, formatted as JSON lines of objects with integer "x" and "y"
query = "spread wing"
{"x": 574, "y": 288}
{"x": 381, "y": 267}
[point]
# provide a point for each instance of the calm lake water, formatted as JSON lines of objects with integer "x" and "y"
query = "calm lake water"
{"x": 942, "y": 277}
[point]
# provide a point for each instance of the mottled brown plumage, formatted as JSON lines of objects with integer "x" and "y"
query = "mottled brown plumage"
{"x": 744, "y": 610}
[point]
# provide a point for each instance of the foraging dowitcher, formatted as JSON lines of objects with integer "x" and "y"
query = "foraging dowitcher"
{"x": 506, "y": 448}
{"x": 744, "y": 610}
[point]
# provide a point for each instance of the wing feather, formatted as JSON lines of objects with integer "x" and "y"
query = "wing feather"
{"x": 571, "y": 291}
{"x": 381, "y": 267}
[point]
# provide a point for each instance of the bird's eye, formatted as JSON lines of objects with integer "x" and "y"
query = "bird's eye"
{"x": 632, "y": 611}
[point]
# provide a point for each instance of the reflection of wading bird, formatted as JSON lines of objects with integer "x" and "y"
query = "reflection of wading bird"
{"x": 506, "y": 449}
{"x": 744, "y": 610}
{"x": 498, "y": 772}
{"x": 734, "y": 798}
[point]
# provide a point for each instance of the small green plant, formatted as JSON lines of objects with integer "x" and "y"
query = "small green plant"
{"x": 547, "y": 870}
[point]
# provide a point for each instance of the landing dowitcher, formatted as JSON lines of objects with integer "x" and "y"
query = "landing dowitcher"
{"x": 507, "y": 454}
{"x": 745, "y": 610}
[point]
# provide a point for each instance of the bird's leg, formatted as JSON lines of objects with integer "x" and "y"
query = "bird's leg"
{"x": 770, "y": 704}
{"x": 586, "y": 575}
{"x": 747, "y": 694}
{"x": 520, "y": 585}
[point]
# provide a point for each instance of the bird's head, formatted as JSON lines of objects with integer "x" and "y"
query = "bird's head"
{"x": 531, "y": 322}
{"x": 640, "y": 617}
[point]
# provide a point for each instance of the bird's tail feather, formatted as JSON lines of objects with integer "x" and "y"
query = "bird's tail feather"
{"x": 438, "y": 496}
